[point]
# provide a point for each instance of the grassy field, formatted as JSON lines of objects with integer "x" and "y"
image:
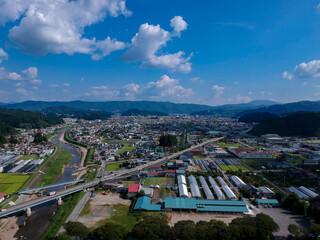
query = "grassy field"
{"x": 11, "y": 182}
{"x": 161, "y": 181}
{"x": 54, "y": 167}
{"x": 113, "y": 166}
{"x": 27, "y": 157}
{"x": 224, "y": 167}
{"x": 126, "y": 148}
{"x": 255, "y": 163}
{"x": 122, "y": 216}
{"x": 89, "y": 156}
{"x": 232, "y": 167}
{"x": 224, "y": 144}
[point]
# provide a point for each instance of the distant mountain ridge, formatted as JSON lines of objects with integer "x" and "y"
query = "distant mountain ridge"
{"x": 302, "y": 106}
{"x": 137, "y": 112}
{"x": 298, "y": 124}
{"x": 66, "y": 112}
{"x": 122, "y": 106}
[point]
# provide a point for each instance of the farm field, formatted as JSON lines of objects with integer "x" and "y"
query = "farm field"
{"x": 27, "y": 157}
{"x": 233, "y": 167}
{"x": 113, "y": 166}
{"x": 161, "y": 181}
{"x": 224, "y": 144}
{"x": 11, "y": 182}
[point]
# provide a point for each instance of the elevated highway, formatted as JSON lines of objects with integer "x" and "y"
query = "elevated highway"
{"x": 40, "y": 200}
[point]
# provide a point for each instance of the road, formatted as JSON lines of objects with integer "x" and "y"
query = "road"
{"x": 80, "y": 187}
{"x": 77, "y": 210}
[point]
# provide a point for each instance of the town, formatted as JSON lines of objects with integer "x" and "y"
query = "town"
{"x": 187, "y": 167}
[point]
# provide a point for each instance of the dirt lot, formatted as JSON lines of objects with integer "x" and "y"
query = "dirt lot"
{"x": 196, "y": 217}
{"x": 99, "y": 210}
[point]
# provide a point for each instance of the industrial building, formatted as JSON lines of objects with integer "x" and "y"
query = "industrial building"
{"x": 267, "y": 202}
{"x": 300, "y": 194}
{"x": 216, "y": 189}
{"x": 195, "y": 191}
{"x": 204, "y": 206}
{"x": 226, "y": 189}
{"x": 143, "y": 204}
{"x": 182, "y": 185}
{"x": 308, "y": 192}
{"x": 265, "y": 192}
{"x": 237, "y": 181}
{"x": 206, "y": 188}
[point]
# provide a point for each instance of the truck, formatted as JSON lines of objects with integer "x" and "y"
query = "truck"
{"x": 52, "y": 193}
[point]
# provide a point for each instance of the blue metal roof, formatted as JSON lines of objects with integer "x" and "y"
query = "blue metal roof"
{"x": 267, "y": 201}
{"x": 206, "y": 205}
{"x": 237, "y": 209}
{"x": 143, "y": 203}
{"x": 221, "y": 202}
{"x": 180, "y": 203}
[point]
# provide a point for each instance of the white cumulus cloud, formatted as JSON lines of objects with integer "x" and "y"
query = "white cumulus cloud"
{"x": 150, "y": 39}
{"x": 305, "y": 70}
{"x": 176, "y": 62}
{"x": 3, "y": 55}
{"x": 30, "y": 73}
{"x": 57, "y": 26}
{"x": 178, "y": 25}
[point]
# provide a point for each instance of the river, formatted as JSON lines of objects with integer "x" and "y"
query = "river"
{"x": 41, "y": 216}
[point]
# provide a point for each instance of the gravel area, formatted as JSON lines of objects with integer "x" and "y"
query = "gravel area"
{"x": 99, "y": 210}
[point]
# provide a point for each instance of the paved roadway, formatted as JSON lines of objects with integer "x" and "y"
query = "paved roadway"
{"x": 20, "y": 207}
{"x": 77, "y": 210}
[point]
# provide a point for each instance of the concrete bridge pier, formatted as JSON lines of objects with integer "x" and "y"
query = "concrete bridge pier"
{"x": 28, "y": 212}
{"x": 60, "y": 202}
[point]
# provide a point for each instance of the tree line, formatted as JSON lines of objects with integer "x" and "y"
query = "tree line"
{"x": 156, "y": 227}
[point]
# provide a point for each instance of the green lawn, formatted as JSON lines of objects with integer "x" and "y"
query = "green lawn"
{"x": 54, "y": 167}
{"x": 27, "y": 157}
{"x": 242, "y": 168}
{"x": 224, "y": 167}
{"x": 127, "y": 148}
{"x": 255, "y": 163}
{"x": 113, "y": 166}
{"x": 121, "y": 216}
{"x": 224, "y": 144}
{"x": 161, "y": 181}
{"x": 11, "y": 182}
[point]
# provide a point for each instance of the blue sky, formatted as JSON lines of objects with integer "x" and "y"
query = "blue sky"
{"x": 208, "y": 52}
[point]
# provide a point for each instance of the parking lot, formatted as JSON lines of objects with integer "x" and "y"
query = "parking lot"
{"x": 283, "y": 218}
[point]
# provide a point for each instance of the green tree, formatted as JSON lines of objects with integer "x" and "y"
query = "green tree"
{"x": 152, "y": 227}
{"x": 185, "y": 230}
{"x": 64, "y": 236}
{"x": 76, "y": 229}
{"x": 109, "y": 231}
{"x": 39, "y": 138}
{"x": 315, "y": 230}
{"x": 296, "y": 230}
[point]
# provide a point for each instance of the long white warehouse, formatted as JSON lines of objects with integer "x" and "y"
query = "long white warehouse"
{"x": 229, "y": 192}
{"x": 299, "y": 193}
{"x": 183, "y": 190}
{"x": 221, "y": 181}
{"x": 206, "y": 188}
{"x": 195, "y": 191}
{"x": 237, "y": 181}
{"x": 308, "y": 192}
{"x": 216, "y": 189}
{"x": 182, "y": 179}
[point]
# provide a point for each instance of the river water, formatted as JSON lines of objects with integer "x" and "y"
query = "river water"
{"x": 41, "y": 216}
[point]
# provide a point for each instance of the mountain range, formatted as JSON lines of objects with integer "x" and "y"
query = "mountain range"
{"x": 123, "y": 106}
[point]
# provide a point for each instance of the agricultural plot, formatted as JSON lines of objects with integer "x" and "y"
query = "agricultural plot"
{"x": 11, "y": 182}
{"x": 230, "y": 164}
